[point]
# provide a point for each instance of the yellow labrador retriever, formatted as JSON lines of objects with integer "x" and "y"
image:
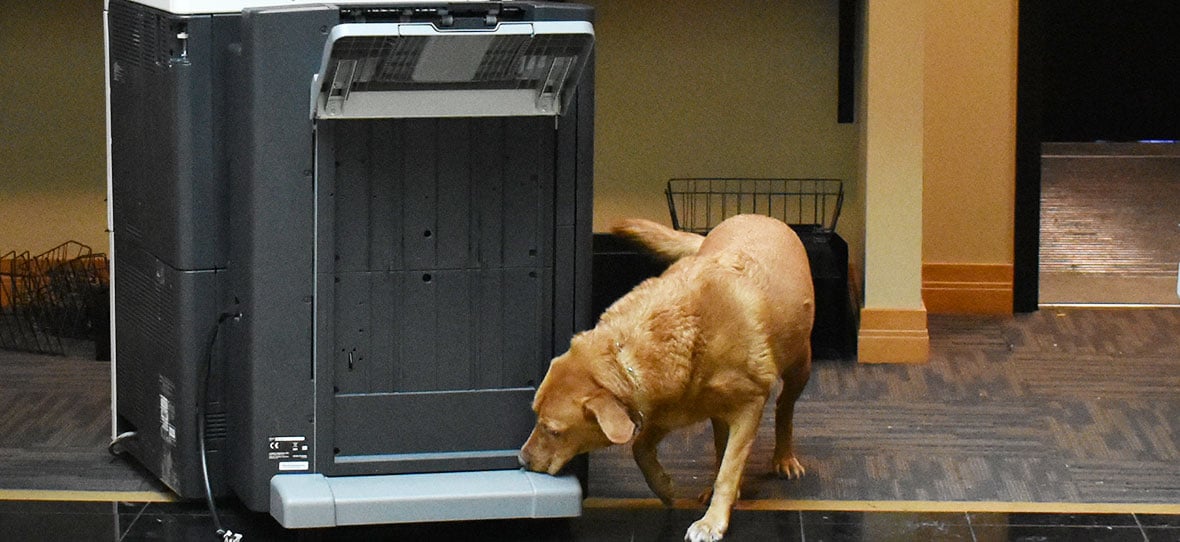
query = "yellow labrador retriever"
{"x": 706, "y": 340}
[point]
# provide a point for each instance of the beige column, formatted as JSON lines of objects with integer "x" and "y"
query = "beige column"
{"x": 893, "y": 320}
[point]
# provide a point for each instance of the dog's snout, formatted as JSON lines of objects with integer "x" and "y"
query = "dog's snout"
{"x": 536, "y": 460}
{"x": 527, "y": 457}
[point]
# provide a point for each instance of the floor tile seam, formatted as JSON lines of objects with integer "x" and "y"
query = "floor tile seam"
{"x": 134, "y": 520}
{"x": 1140, "y": 525}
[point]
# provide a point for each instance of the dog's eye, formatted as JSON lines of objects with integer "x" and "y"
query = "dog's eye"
{"x": 553, "y": 432}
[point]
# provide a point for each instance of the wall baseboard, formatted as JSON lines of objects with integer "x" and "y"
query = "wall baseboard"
{"x": 967, "y": 288}
{"x": 893, "y": 336}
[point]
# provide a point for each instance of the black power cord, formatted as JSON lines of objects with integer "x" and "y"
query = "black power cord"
{"x": 202, "y": 400}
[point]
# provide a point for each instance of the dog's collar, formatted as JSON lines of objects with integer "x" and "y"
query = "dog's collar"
{"x": 628, "y": 370}
{"x": 636, "y": 388}
{"x": 638, "y": 422}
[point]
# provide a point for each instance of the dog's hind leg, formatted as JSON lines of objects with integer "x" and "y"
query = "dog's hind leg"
{"x": 794, "y": 380}
{"x": 644, "y": 449}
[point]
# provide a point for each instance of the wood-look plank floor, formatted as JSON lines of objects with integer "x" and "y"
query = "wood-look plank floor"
{"x": 1109, "y": 228}
{"x": 1058, "y": 406}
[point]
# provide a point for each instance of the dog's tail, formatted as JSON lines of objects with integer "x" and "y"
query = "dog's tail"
{"x": 665, "y": 242}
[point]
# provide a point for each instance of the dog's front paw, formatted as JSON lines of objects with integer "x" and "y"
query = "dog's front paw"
{"x": 789, "y": 468}
{"x": 704, "y": 530}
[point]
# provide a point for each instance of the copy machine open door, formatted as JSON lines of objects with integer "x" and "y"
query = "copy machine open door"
{"x": 401, "y": 202}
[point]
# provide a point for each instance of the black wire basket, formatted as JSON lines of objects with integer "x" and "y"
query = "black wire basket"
{"x": 699, "y": 204}
{"x": 812, "y": 208}
{"x": 50, "y": 296}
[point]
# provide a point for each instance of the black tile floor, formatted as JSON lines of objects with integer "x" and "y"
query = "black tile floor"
{"x": 103, "y": 521}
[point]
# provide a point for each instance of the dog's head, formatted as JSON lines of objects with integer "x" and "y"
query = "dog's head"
{"x": 575, "y": 414}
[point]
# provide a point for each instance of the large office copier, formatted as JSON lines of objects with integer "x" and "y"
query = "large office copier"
{"x": 347, "y": 240}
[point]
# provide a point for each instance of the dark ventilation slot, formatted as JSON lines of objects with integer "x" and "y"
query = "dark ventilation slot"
{"x": 215, "y": 426}
{"x": 136, "y": 37}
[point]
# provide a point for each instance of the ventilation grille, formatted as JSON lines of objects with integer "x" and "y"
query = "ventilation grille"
{"x": 144, "y": 38}
{"x": 215, "y": 429}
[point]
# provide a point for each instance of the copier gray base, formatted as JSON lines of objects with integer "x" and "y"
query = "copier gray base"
{"x": 314, "y": 500}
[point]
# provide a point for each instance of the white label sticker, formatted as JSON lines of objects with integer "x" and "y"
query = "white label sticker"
{"x": 293, "y": 465}
{"x": 167, "y": 414}
{"x": 289, "y": 449}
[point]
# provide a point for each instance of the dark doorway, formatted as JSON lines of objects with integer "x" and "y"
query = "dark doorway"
{"x": 1089, "y": 70}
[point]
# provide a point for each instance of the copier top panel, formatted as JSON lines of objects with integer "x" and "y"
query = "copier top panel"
{"x": 194, "y": 7}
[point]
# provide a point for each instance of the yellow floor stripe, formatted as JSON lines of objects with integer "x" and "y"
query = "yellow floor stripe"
{"x": 84, "y": 496}
{"x": 754, "y": 505}
{"x": 907, "y": 506}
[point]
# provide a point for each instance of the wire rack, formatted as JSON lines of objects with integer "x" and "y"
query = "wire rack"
{"x": 53, "y": 295}
{"x": 699, "y": 204}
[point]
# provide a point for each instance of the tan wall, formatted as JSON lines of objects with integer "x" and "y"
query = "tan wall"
{"x": 685, "y": 88}
{"x": 52, "y": 153}
{"x": 969, "y": 163}
{"x": 716, "y": 89}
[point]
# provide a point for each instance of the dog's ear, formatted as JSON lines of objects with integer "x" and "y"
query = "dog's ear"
{"x": 612, "y": 417}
